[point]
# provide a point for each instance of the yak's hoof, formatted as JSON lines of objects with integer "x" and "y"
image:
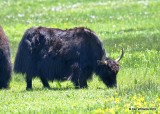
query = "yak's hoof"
{"x": 82, "y": 87}
{"x": 47, "y": 87}
{"x": 29, "y": 89}
{"x": 6, "y": 88}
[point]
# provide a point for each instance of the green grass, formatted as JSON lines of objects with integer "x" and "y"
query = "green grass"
{"x": 133, "y": 25}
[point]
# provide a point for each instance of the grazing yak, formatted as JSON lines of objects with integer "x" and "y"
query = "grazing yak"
{"x": 55, "y": 54}
{"x": 5, "y": 63}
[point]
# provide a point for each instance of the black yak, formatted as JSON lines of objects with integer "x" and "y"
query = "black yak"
{"x": 55, "y": 54}
{"x": 5, "y": 63}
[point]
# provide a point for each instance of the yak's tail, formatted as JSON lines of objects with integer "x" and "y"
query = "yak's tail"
{"x": 23, "y": 62}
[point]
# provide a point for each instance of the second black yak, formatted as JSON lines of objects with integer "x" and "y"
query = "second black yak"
{"x": 55, "y": 54}
{"x": 5, "y": 63}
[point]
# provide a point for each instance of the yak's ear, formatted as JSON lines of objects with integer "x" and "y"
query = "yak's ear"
{"x": 101, "y": 62}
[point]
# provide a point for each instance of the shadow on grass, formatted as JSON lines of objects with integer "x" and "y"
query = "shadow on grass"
{"x": 54, "y": 89}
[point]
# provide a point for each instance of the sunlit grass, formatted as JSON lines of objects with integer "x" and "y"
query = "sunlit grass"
{"x": 133, "y": 25}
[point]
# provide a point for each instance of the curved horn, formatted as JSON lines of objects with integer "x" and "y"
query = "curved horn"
{"x": 117, "y": 60}
{"x": 103, "y": 60}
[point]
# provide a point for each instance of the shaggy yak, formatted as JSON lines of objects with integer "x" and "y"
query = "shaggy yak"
{"x": 55, "y": 54}
{"x": 5, "y": 63}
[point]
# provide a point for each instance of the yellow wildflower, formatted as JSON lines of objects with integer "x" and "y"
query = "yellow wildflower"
{"x": 117, "y": 108}
{"x": 99, "y": 111}
{"x": 134, "y": 97}
{"x": 126, "y": 110}
{"x": 152, "y": 105}
{"x": 127, "y": 106}
{"x": 74, "y": 105}
{"x": 116, "y": 93}
{"x": 106, "y": 100}
{"x": 157, "y": 99}
{"x": 138, "y": 104}
{"x": 112, "y": 98}
{"x": 110, "y": 111}
{"x": 144, "y": 103}
{"x": 117, "y": 100}
{"x": 141, "y": 99}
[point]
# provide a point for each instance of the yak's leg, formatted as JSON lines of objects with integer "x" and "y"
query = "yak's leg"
{"x": 29, "y": 82}
{"x": 83, "y": 83}
{"x": 75, "y": 81}
{"x": 79, "y": 78}
{"x": 3, "y": 84}
{"x": 44, "y": 82}
{"x": 4, "y": 81}
{"x": 79, "y": 82}
{"x": 75, "y": 75}
{"x": 85, "y": 74}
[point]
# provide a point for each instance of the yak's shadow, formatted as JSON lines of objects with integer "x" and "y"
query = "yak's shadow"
{"x": 54, "y": 89}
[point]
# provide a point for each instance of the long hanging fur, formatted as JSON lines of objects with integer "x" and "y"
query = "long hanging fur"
{"x": 5, "y": 63}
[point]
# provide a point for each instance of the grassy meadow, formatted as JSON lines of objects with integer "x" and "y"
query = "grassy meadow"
{"x": 131, "y": 24}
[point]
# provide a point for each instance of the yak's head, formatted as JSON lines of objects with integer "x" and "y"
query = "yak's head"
{"x": 108, "y": 69}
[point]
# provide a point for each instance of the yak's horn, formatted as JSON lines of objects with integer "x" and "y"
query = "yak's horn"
{"x": 117, "y": 60}
{"x": 104, "y": 57}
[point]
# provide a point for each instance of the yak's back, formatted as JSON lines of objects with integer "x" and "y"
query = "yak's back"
{"x": 3, "y": 37}
{"x": 4, "y": 46}
{"x": 56, "y": 45}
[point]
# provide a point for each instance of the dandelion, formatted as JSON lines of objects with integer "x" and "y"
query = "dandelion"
{"x": 144, "y": 103}
{"x": 99, "y": 111}
{"x": 127, "y": 106}
{"x": 126, "y": 110}
{"x": 110, "y": 17}
{"x": 138, "y": 104}
{"x": 142, "y": 99}
{"x": 112, "y": 98}
{"x": 157, "y": 99}
{"x": 152, "y": 105}
{"x": 117, "y": 108}
{"x": 93, "y": 17}
{"x": 116, "y": 93}
{"x": 117, "y": 100}
{"x": 74, "y": 105}
{"x": 20, "y": 15}
{"x": 134, "y": 97}
{"x": 110, "y": 111}
{"x": 107, "y": 100}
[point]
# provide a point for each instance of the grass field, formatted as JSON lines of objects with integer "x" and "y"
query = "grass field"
{"x": 131, "y": 24}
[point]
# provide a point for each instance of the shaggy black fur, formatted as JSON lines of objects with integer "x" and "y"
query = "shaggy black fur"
{"x": 5, "y": 63}
{"x": 55, "y": 54}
